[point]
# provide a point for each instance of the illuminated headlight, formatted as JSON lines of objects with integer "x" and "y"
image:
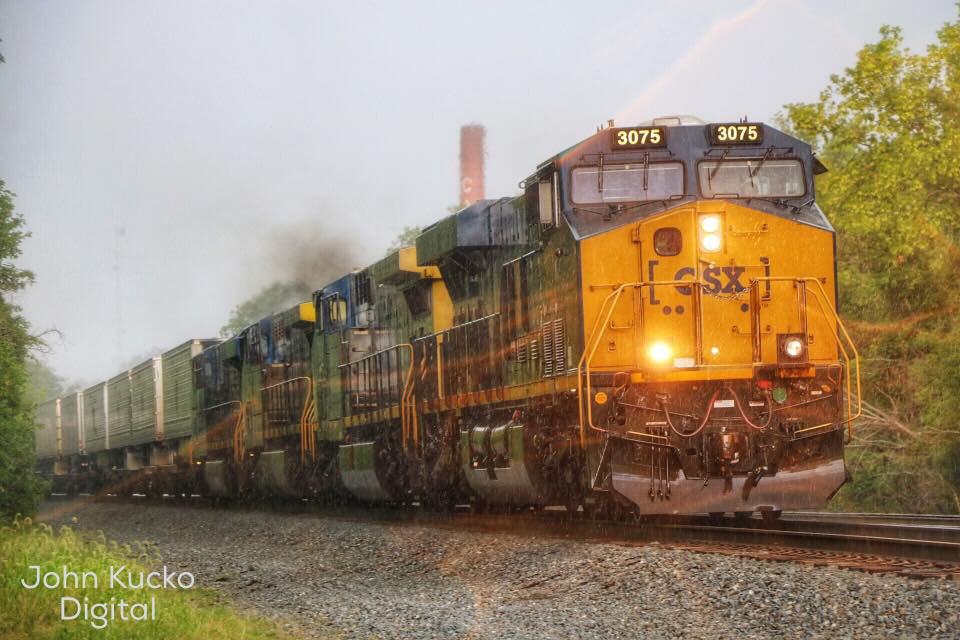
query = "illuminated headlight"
{"x": 710, "y": 224}
{"x": 660, "y": 352}
{"x": 711, "y": 238}
{"x": 793, "y": 347}
{"x": 710, "y": 242}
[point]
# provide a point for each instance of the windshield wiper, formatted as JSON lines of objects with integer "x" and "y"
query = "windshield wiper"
{"x": 716, "y": 167}
{"x": 760, "y": 164}
{"x": 782, "y": 202}
{"x": 600, "y": 177}
{"x": 605, "y": 213}
{"x": 613, "y": 208}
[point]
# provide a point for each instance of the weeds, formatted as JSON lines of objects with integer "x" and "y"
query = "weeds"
{"x": 35, "y": 613}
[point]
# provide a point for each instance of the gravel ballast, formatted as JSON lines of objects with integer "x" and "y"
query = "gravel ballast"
{"x": 318, "y": 573}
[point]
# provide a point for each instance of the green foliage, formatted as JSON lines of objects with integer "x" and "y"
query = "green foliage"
{"x": 11, "y": 235}
{"x": 888, "y": 129}
{"x": 277, "y": 297}
{"x": 20, "y": 489}
{"x": 44, "y": 383}
{"x": 34, "y": 614}
{"x": 406, "y": 238}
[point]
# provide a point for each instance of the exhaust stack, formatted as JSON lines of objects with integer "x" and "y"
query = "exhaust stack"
{"x": 471, "y": 163}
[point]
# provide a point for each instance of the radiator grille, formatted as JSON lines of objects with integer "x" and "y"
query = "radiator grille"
{"x": 521, "y": 350}
{"x": 554, "y": 347}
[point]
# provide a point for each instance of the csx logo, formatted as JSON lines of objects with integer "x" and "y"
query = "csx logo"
{"x": 716, "y": 279}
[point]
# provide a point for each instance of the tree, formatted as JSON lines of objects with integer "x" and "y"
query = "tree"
{"x": 20, "y": 488}
{"x": 45, "y": 384}
{"x": 276, "y": 297}
{"x": 888, "y": 128}
{"x": 406, "y": 238}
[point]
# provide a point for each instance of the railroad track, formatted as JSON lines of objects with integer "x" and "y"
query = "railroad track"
{"x": 909, "y": 518}
{"x": 913, "y": 545}
{"x": 903, "y": 545}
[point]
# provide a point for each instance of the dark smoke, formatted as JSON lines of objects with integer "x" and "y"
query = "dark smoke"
{"x": 311, "y": 255}
{"x": 294, "y": 261}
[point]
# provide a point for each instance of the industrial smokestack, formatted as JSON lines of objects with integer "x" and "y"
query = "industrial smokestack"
{"x": 471, "y": 163}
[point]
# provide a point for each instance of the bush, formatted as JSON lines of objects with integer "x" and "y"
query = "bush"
{"x": 20, "y": 489}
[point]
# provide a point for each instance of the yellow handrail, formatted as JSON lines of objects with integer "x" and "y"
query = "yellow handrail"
{"x": 605, "y": 312}
{"x": 825, "y": 306}
{"x": 588, "y": 353}
{"x": 408, "y": 414}
{"x": 406, "y": 396}
{"x": 307, "y": 443}
{"x": 305, "y": 439}
{"x": 239, "y": 432}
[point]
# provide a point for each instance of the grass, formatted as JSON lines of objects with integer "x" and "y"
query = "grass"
{"x": 35, "y": 614}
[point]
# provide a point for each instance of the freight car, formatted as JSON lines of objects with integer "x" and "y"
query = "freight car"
{"x": 650, "y": 327}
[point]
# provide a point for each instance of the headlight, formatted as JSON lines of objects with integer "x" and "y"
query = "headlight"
{"x": 710, "y": 242}
{"x": 710, "y": 224}
{"x": 793, "y": 347}
{"x": 711, "y": 234}
{"x": 660, "y": 352}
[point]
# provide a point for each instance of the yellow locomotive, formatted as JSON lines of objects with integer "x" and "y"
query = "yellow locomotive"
{"x": 715, "y": 368}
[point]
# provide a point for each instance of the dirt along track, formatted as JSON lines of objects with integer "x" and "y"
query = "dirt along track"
{"x": 390, "y": 578}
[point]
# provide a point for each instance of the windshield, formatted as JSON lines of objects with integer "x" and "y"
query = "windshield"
{"x": 627, "y": 182}
{"x": 755, "y": 178}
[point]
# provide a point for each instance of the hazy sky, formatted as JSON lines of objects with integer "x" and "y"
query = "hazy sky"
{"x": 194, "y": 143}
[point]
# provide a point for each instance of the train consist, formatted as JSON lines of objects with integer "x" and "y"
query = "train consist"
{"x": 650, "y": 327}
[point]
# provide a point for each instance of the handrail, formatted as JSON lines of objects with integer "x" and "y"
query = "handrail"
{"x": 406, "y": 397}
{"x": 605, "y": 312}
{"x": 371, "y": 355}
{"x": 283, "y": 382}
{"x": 222, "y": 404}
{"x": 440, "y": 364}
{"x": 588, "y": 353}
{"x": 307, "y": 440}
{"x": 239, "y": 431}
{"x": 240, "y": 416}
{"x": 456, "y": 326}
{"x": 408, "y": 416}
{"x": 823, "y": 300}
